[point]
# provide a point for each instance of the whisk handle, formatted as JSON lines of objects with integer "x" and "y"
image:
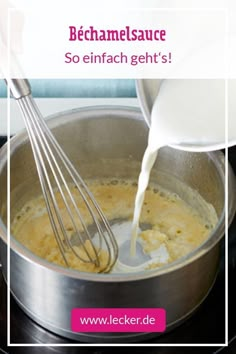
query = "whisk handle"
{"x": 19, "y": 87}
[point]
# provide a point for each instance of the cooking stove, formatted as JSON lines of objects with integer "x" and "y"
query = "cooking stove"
{"x": 207, "y": 325}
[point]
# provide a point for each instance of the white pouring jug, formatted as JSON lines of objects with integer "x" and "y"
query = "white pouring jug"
{"x": 194, "y": 114}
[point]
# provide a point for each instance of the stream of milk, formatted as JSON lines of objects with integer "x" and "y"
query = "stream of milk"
{"x": 189, "y": 115}
{"x": 149, "y": 159}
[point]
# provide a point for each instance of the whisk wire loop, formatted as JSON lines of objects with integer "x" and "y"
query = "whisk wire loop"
{"x": 50, "y": 159}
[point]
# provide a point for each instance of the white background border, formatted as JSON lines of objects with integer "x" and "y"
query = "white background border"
{"x": 125, "y": 344}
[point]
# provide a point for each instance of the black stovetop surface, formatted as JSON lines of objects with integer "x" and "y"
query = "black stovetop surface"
{"x": 205, "y": 326}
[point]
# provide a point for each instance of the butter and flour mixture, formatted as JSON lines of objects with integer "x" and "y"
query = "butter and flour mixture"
{"x": 174, "y": 228}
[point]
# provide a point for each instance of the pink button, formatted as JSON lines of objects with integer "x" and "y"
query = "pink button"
{"x": 118, "y": 320}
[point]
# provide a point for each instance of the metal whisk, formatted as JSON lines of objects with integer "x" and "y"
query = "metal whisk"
{"x": 58, "y": 178}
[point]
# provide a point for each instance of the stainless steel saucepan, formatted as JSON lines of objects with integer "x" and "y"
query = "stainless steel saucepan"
{"x": 110, "y": 142}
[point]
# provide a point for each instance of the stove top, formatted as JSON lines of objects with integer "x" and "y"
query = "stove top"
{"x": 205, "y": 326}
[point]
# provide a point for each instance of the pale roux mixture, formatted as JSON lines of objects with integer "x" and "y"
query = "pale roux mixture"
{"x": 176, "y": 230}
